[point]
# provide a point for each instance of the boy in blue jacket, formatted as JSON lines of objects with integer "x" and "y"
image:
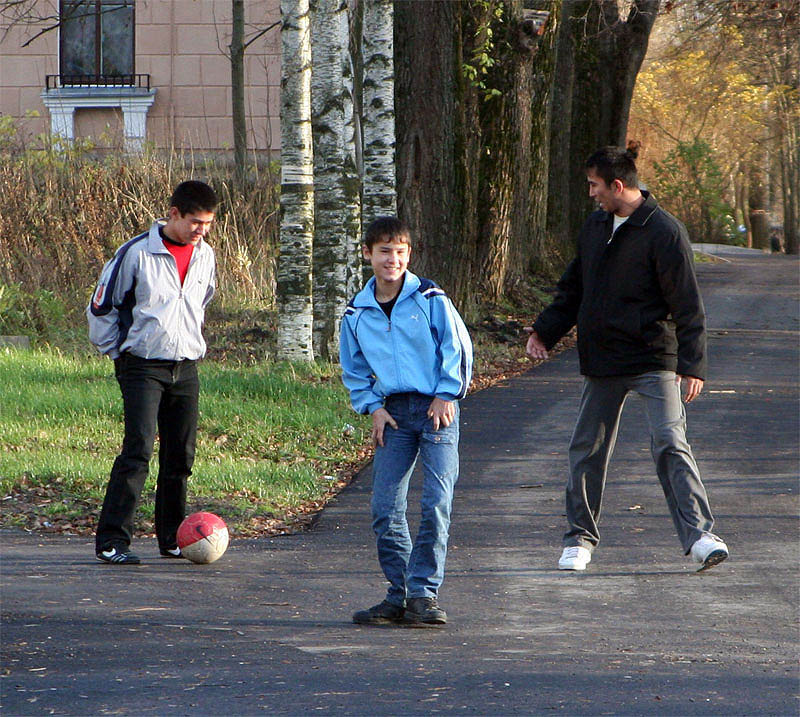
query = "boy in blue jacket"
{"x": 407, "y": 360}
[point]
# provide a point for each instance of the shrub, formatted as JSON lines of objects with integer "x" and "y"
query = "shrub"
{"x": 64, "y": 210}
{"x": 689, "y": 183}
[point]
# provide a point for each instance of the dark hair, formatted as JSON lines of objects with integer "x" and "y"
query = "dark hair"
{"x": 193, "y": 196}
{"x": 612, "y": 163}
{"x": 387, "y": 229}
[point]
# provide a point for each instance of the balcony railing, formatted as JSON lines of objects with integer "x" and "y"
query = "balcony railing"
{"x": 54, "y": 82}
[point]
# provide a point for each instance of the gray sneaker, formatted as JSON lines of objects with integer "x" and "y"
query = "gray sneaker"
{"x": 424, "y": 611}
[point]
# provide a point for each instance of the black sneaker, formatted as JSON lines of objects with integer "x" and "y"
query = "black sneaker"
{"x": 171, "y": 552}
{"x": 424, "y": 611}
{"x": 383, "y": 613}
{"x": 118, "y": 557}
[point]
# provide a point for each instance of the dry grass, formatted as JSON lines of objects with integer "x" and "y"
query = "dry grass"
{"x": 63, "y": 212}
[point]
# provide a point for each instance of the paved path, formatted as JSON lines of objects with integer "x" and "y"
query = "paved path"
{"x": 266, "y": 630}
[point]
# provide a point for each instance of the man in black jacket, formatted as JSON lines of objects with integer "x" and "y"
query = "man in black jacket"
{"x": 633, "y": 294}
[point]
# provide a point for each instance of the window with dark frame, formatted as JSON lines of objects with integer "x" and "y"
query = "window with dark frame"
{"x": 97, "y": 42}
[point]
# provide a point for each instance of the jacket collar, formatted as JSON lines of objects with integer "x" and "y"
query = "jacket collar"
{"x": 366, "y": 297}
{"x": 155, "y": 244}
{"x": 639, "y": 218}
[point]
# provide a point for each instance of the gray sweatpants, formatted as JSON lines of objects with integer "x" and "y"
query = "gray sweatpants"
{"x": 593, "y": 443}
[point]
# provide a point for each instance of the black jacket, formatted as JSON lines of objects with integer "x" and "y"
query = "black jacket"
{"x": 635, "y": 299}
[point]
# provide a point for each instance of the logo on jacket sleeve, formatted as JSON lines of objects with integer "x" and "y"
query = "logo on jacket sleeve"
{"x": 98, "y": 296}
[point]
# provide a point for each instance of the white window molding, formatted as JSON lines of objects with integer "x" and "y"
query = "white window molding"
{"x": 133, "y": 101}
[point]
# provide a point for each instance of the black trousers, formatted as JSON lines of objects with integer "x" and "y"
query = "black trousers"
{"x": 160, "y": 395}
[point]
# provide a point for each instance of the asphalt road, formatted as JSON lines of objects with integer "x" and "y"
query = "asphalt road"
{"x": 266, "y": 629}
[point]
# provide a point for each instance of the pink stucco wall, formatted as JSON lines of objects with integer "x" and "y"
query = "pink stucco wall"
{"x": 181, "y": 45}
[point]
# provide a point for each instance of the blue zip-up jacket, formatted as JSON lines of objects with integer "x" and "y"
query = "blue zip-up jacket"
{"x": 425, "y": 348}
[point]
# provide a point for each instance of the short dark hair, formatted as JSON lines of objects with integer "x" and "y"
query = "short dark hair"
{"x": 387, "y": 229}
{"x": 612, "y": 163}
{"x": 193, "y": 196}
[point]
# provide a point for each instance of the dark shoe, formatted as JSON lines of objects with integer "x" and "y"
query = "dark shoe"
{"x": 171, "y": 552}
{"x": 424, "y": 611}
{"x": 118, "y": 557}
{"x": 383, "y": 613}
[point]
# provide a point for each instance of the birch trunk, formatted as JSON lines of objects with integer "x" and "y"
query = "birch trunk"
{"x": 378, "y": 123}
{"x": 294, "y": 275}
{"x": 336, "y": 200}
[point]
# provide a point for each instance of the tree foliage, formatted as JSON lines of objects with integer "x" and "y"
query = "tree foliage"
{"x": 690, "y": 182}
{"x": 724, "y": 76}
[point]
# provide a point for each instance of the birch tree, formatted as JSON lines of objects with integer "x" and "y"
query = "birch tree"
{"x": 378, "y": 121}
{"x": 336, "y": 187}
{"x": 294, "y": 275}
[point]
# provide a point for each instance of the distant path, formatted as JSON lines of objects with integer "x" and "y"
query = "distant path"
{"x": 266, "y": 630}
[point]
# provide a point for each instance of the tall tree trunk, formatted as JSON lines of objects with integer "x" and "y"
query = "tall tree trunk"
{"x": 608, "y": 53}
{"x": 790, "y": 190}
{"x": 789, "y": 143}
{"x": 294, "y": 275}
{"x": 561, "y": 168}
{"x": 514, "y": 157}
{"x": 758, "y": 208}
{"x": 238, "y": 114}
{"x": 742, "y": 190}
{"x": 378, "y": 115}
{"x": 466, "y": 128}
{"x": 336, "y": 206}
{"x": 438, "y": 143}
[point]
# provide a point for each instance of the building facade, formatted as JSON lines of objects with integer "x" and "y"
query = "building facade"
{"x": 123, "y": 73}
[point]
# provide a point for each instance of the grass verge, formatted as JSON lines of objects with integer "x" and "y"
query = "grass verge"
{"x": 275, "y": 440}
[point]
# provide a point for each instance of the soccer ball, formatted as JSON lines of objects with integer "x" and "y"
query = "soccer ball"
{"x": 203, "y": 537}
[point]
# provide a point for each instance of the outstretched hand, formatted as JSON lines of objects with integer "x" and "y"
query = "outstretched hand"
{"x": 535, "y": 348}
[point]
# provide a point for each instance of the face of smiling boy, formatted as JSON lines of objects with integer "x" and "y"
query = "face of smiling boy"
{"x": 389, "y": 260}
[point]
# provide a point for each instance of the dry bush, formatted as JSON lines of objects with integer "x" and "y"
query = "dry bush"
{"x": 64, "y": 210}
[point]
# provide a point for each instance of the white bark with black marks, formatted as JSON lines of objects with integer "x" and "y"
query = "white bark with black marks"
{"x": 294, "y": 275}
{"x": 336, "y": 188}
{"x": 379, "y": 184}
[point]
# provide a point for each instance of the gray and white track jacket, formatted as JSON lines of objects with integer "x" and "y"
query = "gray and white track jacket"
{"x": 140, "y": 306}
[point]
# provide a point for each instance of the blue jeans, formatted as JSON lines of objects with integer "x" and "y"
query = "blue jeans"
{"x": 413, "y": 570}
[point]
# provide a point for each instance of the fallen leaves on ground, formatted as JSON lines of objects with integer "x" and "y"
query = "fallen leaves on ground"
{"x": 31, "y": 507}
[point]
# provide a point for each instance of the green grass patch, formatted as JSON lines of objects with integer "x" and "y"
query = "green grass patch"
{"x": 270, "y": 437}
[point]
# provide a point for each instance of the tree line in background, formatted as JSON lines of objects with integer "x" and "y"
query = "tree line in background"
{"x": 477, "y": 121}
{"x": 717, "y": 109}
{"x": 470, "y": 119}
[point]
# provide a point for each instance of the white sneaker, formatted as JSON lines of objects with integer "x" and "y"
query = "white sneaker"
{"x": 709, "y": 550}
{"x": 575, "y": 557}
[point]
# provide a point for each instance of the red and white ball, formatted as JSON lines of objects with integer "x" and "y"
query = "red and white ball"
{"x": 203, "y": 537}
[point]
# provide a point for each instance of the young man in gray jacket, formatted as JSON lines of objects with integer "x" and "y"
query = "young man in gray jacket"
{"x": 633, "y": 294}
{"x": 147, "y": 315}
